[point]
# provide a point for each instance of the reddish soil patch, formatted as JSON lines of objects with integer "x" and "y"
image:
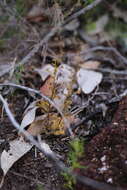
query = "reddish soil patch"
{"x": 106, "y": 154}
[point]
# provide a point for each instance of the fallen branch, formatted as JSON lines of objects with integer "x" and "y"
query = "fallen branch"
{"x": 82, "y": 11}
{"x": 45, "y": 149}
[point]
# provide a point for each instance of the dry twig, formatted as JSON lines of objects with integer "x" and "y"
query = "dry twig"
{"x": 116, "y": 72}
{"x": 82, "y": 11}
{"x": 110, "y": 49}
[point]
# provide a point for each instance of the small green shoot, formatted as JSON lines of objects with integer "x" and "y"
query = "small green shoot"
{"x": 77, "y": 150}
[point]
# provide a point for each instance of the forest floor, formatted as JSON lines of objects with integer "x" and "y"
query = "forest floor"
{"x": 44, "y": 34}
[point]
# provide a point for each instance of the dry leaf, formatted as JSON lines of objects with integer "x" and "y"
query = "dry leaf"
{"x": 18, "y": 148}
{"x": 90, "y": 65}
{"x": 48, "y": 124}
{"x": 88, "y": 80}
{"x": 46, "y": 71}
{"x": 48, "y": 87}
{"x": 29, "y": 115}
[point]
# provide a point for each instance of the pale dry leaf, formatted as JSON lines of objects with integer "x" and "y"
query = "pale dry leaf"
{"x": 90, "y": 65}
{"x": 17, "y": 149}
{"x": 46, "y": 71}
{"x": 88, "y": 80}
{"x": 29, "y": 117}
{"x": 29, "y": 114}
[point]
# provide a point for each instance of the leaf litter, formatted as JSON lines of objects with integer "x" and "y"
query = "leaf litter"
{"x": 17, "y": 149}
{"x": 88, "y": 80}
{"x": 63, "y": 48}
{"x": 58, "y": 82}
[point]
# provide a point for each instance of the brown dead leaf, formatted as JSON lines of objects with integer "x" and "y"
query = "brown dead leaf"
{"x": 48, "y": 87}
{"x": 90, "y": 65}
